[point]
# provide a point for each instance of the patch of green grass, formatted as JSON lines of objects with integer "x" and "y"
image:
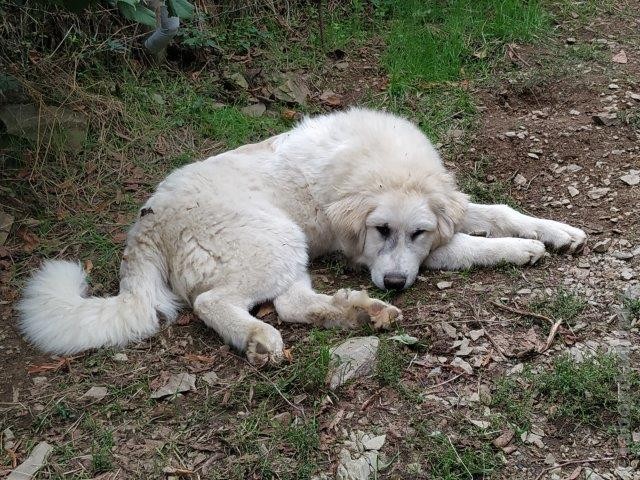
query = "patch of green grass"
{"x": 575, "y": 392}
{"x": 587, "y": 392}
{"x": 272, "y": 448}
{"x": 480, "y": 190}
{"x": 632, "y": 306}
{"x": 391, "y": 363}
{"x": 514, "y": 401}
{"x": 562, "y": 305}
{"x": 432, "y": 41}
{"x": 448, "y": 461}
{"x": 631, "y": 116}
{"x": 102, "y": 444}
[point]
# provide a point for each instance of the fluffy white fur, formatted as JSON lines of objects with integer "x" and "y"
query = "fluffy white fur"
{"x": 239, "y": 228}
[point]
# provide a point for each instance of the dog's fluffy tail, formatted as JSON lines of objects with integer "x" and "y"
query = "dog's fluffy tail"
{"x": 57, "y": 317}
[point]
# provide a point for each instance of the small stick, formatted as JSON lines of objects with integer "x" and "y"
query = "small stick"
{"x": 551, "y": 337}
{"x": 430, "y": 389}
{"x": 573, "y": 462}
{"x": 522, "y": 312}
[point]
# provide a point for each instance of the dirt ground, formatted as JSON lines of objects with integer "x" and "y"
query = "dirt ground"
{"x": 538, "y": 139}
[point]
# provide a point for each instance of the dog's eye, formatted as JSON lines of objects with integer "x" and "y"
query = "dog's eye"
{"x": 416, "y": 234}
{"x": 384, "y": 230}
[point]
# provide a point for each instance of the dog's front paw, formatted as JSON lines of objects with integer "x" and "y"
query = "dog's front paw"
{"x": 519, "y": 251}
{"x": 264, "y": 346}
{"x": 561, "y": 237}
{"x": 360, "y": 308}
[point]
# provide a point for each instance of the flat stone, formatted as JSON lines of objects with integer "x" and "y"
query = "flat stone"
{"x": 632, "y": 178}
{"x": 628, "y": 274}
{"x": 573, "y": 191}
{"x": 255, "y": 110}
{"x": 602, "y": 246}
{"x": 460, "y": 363}
{"x": 210, "y": 378}
{"x": 95, "y": 393}
{"x": 573, "y": 168}
{"x": 596, "y": 193}
{"x": 614, "y": 86}
{"x": 34, "y": 462}
{"x": 520, "y": 180}
{"x": 574, "y": 112}
{"x": 177, "y": 383}
{"x": 120, "y": 357}
{"x": 373, "y": 443}
{"x": 444, "y": 285}
{"x": 622, "y": 255}
{"x": 40, "y": 122}
{"x": 353, "y": 358}
{"x": 606, "y": 119}
{"x": 476, "y": 334}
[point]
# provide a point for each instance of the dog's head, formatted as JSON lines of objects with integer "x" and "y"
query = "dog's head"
{"x": 393, "y": 232}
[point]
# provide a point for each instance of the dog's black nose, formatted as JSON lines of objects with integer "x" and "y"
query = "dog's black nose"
{"x": 394, "y": 281}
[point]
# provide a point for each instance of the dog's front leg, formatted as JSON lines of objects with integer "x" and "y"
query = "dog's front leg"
{"x": 504, "y": 221}
{"x": 465, "y": 251}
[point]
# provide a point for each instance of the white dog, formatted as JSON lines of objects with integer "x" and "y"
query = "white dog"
{"x": 229, "y": 232}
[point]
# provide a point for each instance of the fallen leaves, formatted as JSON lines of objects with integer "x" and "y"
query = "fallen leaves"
{"x": 620, "y": 57}
{"x": 175, "y": 384}
{"x": 60, "y": 364}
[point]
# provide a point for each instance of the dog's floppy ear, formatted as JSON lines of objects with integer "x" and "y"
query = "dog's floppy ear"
{"x": 450, "y": 208}
{"x": 348, "y": 220}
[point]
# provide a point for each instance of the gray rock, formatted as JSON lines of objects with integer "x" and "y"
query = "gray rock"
{"x": 355, "y": 357}
{"x": 463, "y": 365}
{"x": 573, "y": 191}
{"x": 177, "y": 383}
{"x": 34, "y": 462}
{"x": 520, "y": 180}
{"x": 602, "y": 246}
{"x": 359, "y": 459}
{"x": 632, "y": 178}
{"x": 39, "y": 123}
{"x": 444, "y": 285}
{"x": 590, "y": 474}
{"x": 606, "y": 119}
{"x": 596, "y": 193}
{"x": 622, "y": 255}
{"x": 95, "y": 393}
{"x": 120, "y": 357}
{"x": 628, "y": 274}
{"x": 210, "y": 378}
{"x": 255, "y": 110}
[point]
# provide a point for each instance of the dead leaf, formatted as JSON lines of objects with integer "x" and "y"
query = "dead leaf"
{"x": 575, "y": 474}
{"x": 265, "y": 310}
{"x": 51, "y": 367}
{"x": 504, "y": 439}
{"x": 6, "y": 221}
{"x": 29, "y": 239}
{"x": 192, "y": 357}
{"x": 88, "y": 266}
{"x": 288, "y": 355}
{"x": 331, "y": 99}
{"x": 185, "y": 319}
{"x": 290, "y": 115}
{"x": 620, "y": 57}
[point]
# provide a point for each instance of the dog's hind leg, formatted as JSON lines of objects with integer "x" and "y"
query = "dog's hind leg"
{"x": 230, "y": 318}
{"x": 346, "y": 308}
